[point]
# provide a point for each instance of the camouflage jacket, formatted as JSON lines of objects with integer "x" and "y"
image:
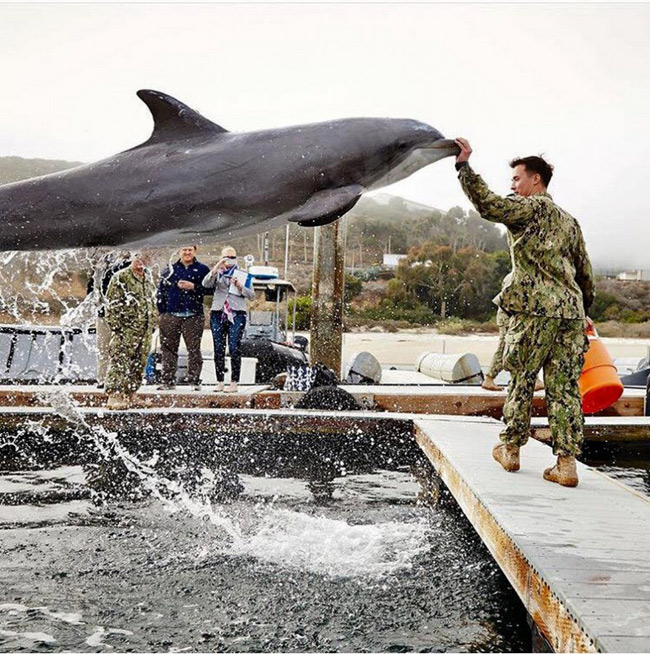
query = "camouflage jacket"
{"x": 130, "y": 302}
{"x": 551, "y": 272}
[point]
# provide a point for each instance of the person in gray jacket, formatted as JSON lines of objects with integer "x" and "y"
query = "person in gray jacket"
{"x": 228, "y": 315}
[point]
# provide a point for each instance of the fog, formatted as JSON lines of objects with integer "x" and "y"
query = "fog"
{"x": 570, "y": 82}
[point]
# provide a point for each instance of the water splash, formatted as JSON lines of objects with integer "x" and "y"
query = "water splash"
{"x": 41, "y": 287}
{"x": 283, "y": 537}
{"x": 333, "y": 547}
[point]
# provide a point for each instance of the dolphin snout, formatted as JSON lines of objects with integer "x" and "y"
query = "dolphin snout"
{"x": 448, "y": 146}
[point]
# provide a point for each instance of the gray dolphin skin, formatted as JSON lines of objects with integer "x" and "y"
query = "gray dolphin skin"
{"x": 193, "y": 181}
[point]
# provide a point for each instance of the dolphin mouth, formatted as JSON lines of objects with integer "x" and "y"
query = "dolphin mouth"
{"x": 448, "y": 145}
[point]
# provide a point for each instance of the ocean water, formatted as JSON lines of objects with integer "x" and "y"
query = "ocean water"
{"x": 625, "y": 461}
{"x": 364, "y": 561}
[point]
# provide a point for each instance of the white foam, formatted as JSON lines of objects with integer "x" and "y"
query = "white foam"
{"x": 333, "y": 547}
{"x": 26, "y": 513}
{"x": 97, "y": 637}
{"x": 37, "y": 636}
{"x": 71, "y": 618}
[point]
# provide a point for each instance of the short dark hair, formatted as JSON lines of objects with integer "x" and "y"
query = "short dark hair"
{"x": 537, "y": 165}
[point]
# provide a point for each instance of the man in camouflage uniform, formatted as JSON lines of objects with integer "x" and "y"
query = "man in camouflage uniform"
{"x": 547, "y": 299}
{"x": 130, "y": 314}
{"x": 496, "y": 364}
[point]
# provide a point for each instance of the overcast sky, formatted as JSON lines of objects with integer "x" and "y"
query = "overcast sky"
{"x": 571, "y": 82}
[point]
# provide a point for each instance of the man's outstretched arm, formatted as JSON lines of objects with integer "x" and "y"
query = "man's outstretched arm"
{"x": 511, "y": 211}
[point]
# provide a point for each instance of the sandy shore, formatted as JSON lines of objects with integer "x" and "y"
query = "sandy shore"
{"x": 404, "y": 347}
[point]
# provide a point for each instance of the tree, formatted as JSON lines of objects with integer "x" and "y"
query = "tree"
{"x": 460, "y": 283}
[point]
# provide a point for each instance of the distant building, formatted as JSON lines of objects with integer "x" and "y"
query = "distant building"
{"x": 392, "y": 260}
{"x": 630, "y": 276}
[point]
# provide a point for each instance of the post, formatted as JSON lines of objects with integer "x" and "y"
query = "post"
{"x": 266, "y": 248}
{"x": 286, "y": 252}
{"x": 327, "y": 295}
{"x": 646, "y": 404}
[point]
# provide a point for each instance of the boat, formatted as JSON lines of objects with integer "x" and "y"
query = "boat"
{"x": 270, "y": 335}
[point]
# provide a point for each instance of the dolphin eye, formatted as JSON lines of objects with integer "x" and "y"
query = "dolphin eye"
{"x": 402, "y": 147}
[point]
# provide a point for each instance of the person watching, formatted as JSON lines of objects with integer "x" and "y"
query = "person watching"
{"x": 228, "y": 315}
{"x": 99, "y": 281}
{"x": 180, "y": 304}
{"x": 131, "y": 317}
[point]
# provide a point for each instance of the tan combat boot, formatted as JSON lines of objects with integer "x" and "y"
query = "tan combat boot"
{"x": 507, "y": 456}
{"x": 118, "y": 402}
{"x": 490, "y": 385}
{"x": 564, "y": 472}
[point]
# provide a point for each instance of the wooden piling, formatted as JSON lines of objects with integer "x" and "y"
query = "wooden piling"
{"x": 326, "y": 333}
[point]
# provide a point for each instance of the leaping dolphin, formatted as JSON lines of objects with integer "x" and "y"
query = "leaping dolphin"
{"x": 193, "y": 180}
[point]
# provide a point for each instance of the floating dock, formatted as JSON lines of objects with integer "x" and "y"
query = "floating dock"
{"x": 579, "y": 558}
{"x": 426, "y": 399}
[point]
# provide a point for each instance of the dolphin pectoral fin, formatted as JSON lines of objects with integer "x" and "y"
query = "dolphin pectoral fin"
{"x": 174, "y": 120}
{"x": 319, "y": 222}
{"x": 327, "y": 206}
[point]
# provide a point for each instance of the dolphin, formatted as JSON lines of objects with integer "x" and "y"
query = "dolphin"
{"x": 193, "y": 181}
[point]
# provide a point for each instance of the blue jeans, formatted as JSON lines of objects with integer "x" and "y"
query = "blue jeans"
{"x": 222, "y": 327}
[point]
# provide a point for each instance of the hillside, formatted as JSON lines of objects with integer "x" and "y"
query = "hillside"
{"x": 13, "y": 169}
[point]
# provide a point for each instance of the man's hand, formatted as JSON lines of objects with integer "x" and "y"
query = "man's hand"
{"x": 185, "y": 285}
{"x": 238, "y": 284}
{"x": 465, "y": 150}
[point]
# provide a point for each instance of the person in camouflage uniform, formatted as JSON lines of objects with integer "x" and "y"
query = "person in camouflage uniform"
{"x": 130, "y": 314}
{"x": 547, "y": 299}
{"x": 496, "y": 364}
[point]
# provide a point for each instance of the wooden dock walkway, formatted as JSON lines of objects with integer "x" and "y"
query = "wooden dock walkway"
{"x": 579, "y": 558}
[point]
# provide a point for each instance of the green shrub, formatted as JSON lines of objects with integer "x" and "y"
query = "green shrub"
{"x": 633, "y": 317}
{"x": 303, "y": 311}
{"x": 603, "y": 303}
{"x": 461, "y": 326}
{"x": 353, "y": 286}
{"x": 366, "y": 274}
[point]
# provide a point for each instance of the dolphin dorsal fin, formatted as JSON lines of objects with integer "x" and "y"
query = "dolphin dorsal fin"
{"x": 174, "y": 120}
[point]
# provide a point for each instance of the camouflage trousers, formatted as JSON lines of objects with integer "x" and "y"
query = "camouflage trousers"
{"x": 127, "y": 352}
{"x": 496, "y": 365}
{"x": 557, "y": 345}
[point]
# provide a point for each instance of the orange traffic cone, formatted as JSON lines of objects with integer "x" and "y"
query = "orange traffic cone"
{"x": 600, "y": 385}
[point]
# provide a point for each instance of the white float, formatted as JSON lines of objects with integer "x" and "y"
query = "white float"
{"x": 451, "y": 368}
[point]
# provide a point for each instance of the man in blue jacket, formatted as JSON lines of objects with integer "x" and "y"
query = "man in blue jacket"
{"x": 180, "y": 305}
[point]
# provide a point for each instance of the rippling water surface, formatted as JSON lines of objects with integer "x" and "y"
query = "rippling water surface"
{"x": 352, "y": 564}
{"x": 627, "y": 462}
